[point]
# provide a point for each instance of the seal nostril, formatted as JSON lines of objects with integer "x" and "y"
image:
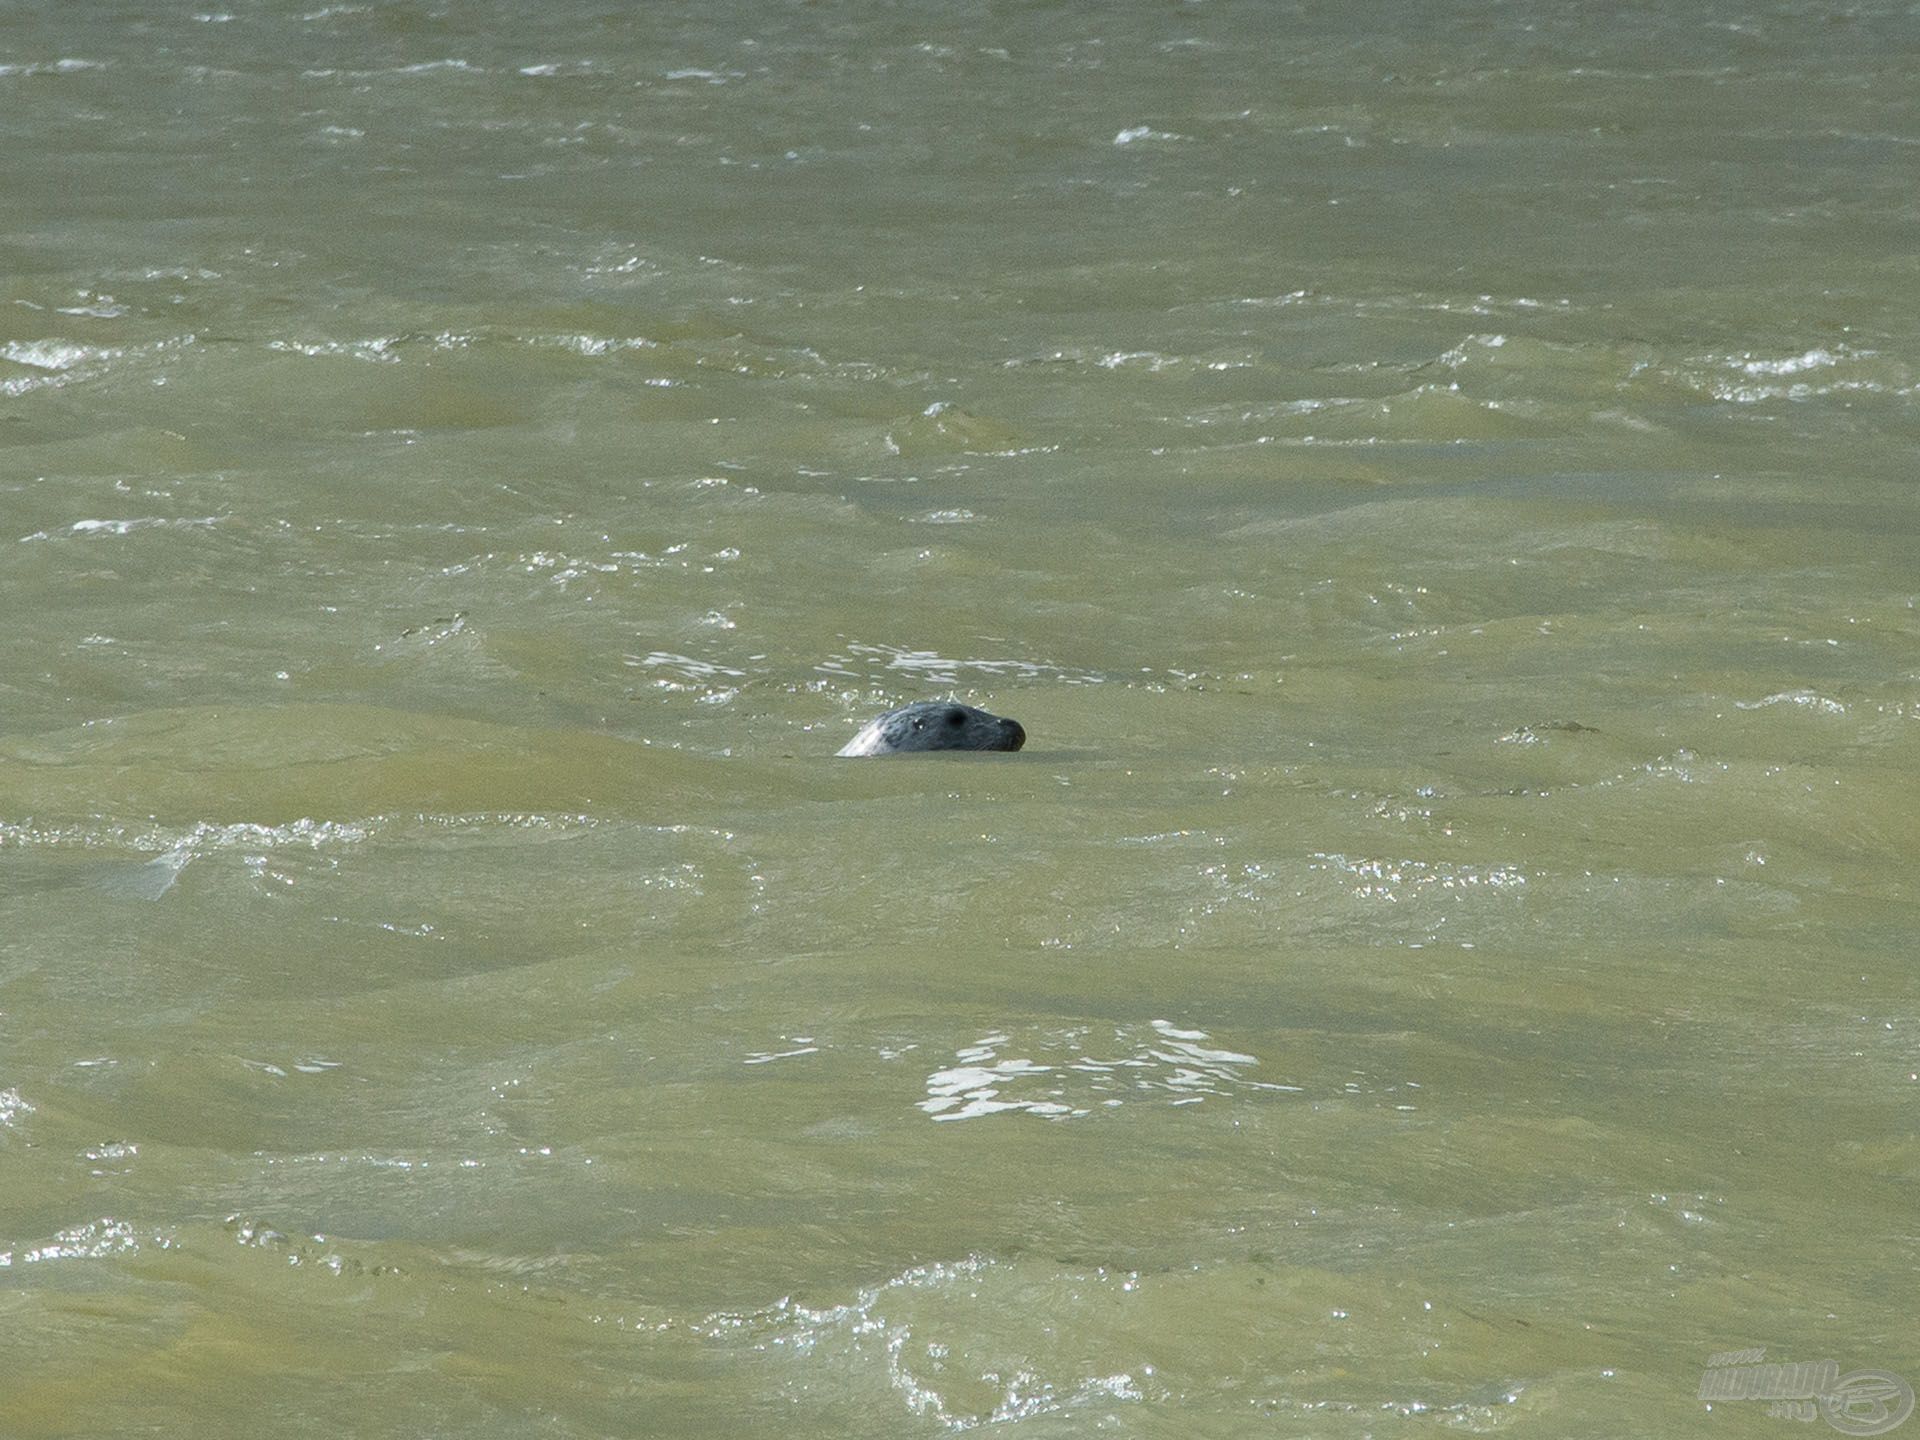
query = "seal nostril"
{"x": 956, "y": 718}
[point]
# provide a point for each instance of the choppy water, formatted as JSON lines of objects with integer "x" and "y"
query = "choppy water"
{"x": 1436, "y": 482}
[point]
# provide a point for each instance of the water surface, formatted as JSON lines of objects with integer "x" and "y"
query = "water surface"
{"x": 1435, "y": 483}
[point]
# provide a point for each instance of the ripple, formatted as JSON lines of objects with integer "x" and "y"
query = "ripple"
{"x": 1136, "y": 133}
{"x": 962, "y": 1342}
{"x": 127, "y": 527}
{"x": 1073, "y": 1078}
{"x": 1394, "y": 880}
{"x": 684, "y": 673}
{"x": 49, "y": 354}
{"x": 92, "y": 1241}
{"x": 423, "y": 67}
{"x": 858, "y": 661}
{"x": 70, "y": 66}
{"x": 1801, "y": 699}
{"x": 13, "y": 1105}
{"x": 1750, "y": 379}
{"x": 59, "y": 362}
{"x": 95, "y": 306}
{"x": 380, "y": 348}
{"x": 390, "y": 348}
{"x": 177, "y": 848}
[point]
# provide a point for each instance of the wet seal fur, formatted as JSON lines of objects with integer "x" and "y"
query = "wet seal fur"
{"x": 935, "y": 725}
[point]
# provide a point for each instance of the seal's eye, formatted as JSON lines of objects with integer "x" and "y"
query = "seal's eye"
{"x": 956, "y": 718}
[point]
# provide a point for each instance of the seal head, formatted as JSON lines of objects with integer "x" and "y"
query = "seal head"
{"x": 935, "y": 725}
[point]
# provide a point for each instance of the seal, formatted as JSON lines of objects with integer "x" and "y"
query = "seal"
{"x": 935, "y": 725}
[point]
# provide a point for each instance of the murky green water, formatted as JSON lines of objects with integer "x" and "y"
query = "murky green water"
{"x": 1436, "y": 482}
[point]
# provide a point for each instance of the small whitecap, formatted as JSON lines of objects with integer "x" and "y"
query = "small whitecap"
{"x": 595, "y": 345}
{"x": 92, "y": 1241}
{"x": 1392, "y": 881}
{"x": 13, "y": 1106}
{"x": 1147, "y": 359}
{"x": 97, "y": 307}
{"x": 930, "y": 666}
{"x": 1172, "y": 1032}
{"x": 144, "y": 522}
{"x": 49, "y": 354}
{"x": 767, "y": 1057}
{"x": 53, "y": 67}
{"x": 1072, "y": 1080}
{"x": 1800, "y": 699}
{"x": 1818, "y": 358}
{"x": 1136, "y": 133}
{"x": 1462, "y": 353}
{"x": 628, "y": 266}
{"x": 685, "y": 665}
{"x": 380, "y": 347}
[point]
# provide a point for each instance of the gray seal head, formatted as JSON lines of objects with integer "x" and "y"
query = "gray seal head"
{"x": 935, "y": 725}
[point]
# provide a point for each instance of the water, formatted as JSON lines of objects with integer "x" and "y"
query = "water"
{"x": 1435, "y": 483}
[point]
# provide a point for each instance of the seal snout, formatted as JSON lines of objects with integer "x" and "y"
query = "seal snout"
{"x": 936, "y": 725}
